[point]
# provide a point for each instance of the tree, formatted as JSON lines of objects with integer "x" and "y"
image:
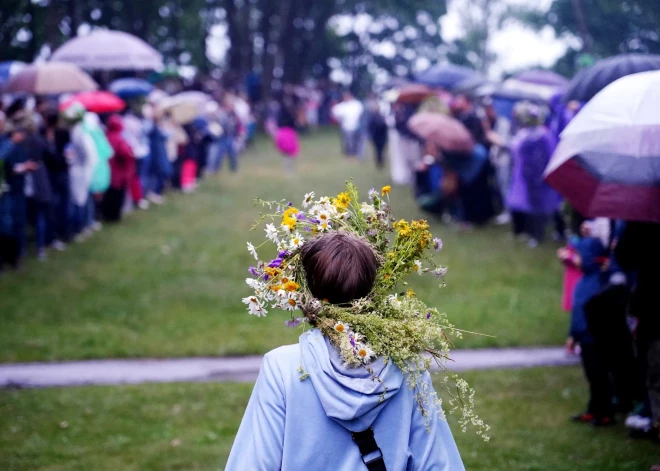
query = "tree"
{"x": 604, "y": 27}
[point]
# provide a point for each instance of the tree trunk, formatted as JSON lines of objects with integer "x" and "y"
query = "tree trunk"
{"x": 234, "y": 36}
{"x": 74, "y": 17}
{"x": 580, "y": 17}
{"x": 267, "y": 60}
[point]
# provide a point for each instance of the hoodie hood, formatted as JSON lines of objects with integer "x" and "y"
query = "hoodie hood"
{"x": 349, "y": 396}
{"x": 115, "y": 123}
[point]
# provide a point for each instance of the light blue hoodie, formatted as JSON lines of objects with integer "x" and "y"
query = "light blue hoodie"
{"x": 294, "y": 425}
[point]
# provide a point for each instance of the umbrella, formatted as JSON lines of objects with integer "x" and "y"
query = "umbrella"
{"x": 185, "y": 106}
{"x": 128, "y": 88}
{"x": 8, "y": 69}
{"x": 542, "y": 77}
{"x": 590, "y": 81}
{"x": 96, "y": 102}
{"x": 413, "y": 93}
{"x": 444, "y": 131}
{"x": 608, "y": 160}
{"x": 445, "y": 75}
{"x": 51, "y": 78}
{"x": 109, "y": 50}
{"x": 536, "y": 85}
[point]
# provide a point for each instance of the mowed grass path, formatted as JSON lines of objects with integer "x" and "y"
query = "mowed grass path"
{"x": 168, "y": 282}
{"x": 192, "y": 427}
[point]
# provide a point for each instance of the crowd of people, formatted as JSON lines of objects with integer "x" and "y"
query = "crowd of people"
{"x": 65, "y": 171}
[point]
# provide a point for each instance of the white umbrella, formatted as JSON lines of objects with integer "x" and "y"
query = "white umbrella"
{"x": 608, "y": 160}
{"x": 186, "y": 106}
{"x": 109, "y": 50}
{"x": 50, "y": 78}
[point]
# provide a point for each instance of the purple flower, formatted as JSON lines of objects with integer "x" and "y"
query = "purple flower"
{"x": 372, "y": 232}
{"x": 283, "y": 254}
{"x": 352, "y": 339}
{"x": 289, "y": 204}
{"x": 275, "y": 263}
{"x": 439, "y": 272}
{"x": 300, "y": 216}
{"x": 315, "y": 221}
{"x": 295, "y": 322}
{"x": 437, "y": 244}
{"x": 253, "y": 271}
{"x": 306, "y": 229}
{"x": 428, "y": 315}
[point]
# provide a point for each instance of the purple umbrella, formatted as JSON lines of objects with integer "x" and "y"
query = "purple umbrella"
{"x": 542, "y": 77}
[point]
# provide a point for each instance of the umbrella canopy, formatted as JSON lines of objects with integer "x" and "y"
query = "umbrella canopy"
{"x": 589, "y": 82}
{"x": 128, "y": 88}
{"x": 8, "y": 69}
{"x": 542, "y": 77}
{"x": 444, "y": 131}
{"x": 413, "y": 93}
{"x": 109, "y": 50}
{"x": 51, "y": 78}
{"x": 96, "y": 102}
{"x": 608, "y": 160}
{"x": 445, "y": 75}
{"x": 185, "y": 106}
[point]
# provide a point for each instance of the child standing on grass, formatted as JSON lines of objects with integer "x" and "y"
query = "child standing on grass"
{"x": 286, "y": 137}
{"x": 590, "y": 253}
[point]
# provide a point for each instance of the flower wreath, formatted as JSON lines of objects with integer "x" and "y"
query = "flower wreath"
{"x": 395, "y": 325}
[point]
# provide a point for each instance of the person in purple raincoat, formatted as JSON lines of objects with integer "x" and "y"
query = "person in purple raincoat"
{"x": 531, "y": 201}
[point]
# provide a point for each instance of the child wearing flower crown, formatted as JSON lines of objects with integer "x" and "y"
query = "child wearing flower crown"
{"x": 341, "y": 418}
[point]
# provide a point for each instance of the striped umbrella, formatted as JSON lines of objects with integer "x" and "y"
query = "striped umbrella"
{"x": 607, "y": 163}
{"x": 50, "y": 78}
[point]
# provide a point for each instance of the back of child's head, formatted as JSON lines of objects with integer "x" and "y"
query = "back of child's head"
{"x": 339, "y": 267}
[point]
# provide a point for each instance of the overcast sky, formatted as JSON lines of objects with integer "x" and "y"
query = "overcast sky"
{"x": 517, "y": 47}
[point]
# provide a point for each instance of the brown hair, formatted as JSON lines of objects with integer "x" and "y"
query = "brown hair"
{"x": 339, "y": 267}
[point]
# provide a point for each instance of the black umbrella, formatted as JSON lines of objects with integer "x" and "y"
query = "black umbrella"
{"x": 586, "y": 84}
{"x": 445, "y": 75}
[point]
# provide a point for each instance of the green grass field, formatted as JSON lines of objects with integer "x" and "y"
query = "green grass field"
{"x": 169, "y": 282}
{"x": 192, "y": 427}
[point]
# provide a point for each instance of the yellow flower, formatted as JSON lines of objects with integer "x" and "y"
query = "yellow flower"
{"x": 276, "y": 288}
{"x": 342, "y": 200}
{"x": 292, "y": 302}
{"x": 411, "y": 293}
{"x": 386, "y": 190}
{"x": 290, "y": 213}
{"x": 421, "y": 224}
{"x": 272, "y": 271}
{"x": 291, "y": 286}
{"x": 402, "y": 227}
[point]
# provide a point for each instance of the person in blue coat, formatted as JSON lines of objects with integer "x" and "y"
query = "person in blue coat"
{"x": 591, "y": 257}
{"x": 318, "y": 420}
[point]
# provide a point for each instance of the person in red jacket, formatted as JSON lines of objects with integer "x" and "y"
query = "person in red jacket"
{"x": 122, "y": 168}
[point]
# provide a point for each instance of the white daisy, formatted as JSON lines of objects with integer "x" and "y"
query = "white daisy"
{"x": 309, "y": 199}
{"x": 287, "y": 229}
{"x": 364, "y": 353}
{"x": 252, "y": 250}
{"x": 254, "y": 306}
{"x": 342, "y": 327}
{"x": 418, "y": 264}
{"x": 325, "y": 201}
{"x": 323, "y": 216}
{"x": 297, "y": 241}
{"x": 324, "y": 226}
{"x": 291, "y": 302}
{"x": 271, "y": 233}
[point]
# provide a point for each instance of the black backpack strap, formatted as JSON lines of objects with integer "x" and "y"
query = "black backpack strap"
{"x": 367, "y": 444}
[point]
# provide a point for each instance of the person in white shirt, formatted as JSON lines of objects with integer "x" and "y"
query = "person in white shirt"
{"x": 349, "y": 113}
